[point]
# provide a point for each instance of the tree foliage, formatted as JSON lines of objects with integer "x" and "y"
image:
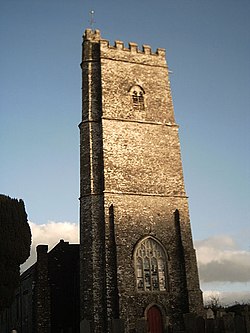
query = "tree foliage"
{"x": 15, "y": 241}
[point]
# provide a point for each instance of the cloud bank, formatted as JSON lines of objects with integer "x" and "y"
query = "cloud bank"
{"x": 220, "y": 260}
{"x": 50, "y": 234}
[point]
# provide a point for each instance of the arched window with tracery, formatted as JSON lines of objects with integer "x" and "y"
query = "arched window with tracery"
{"x": 150, "y": 266}
{"x": 137, "y": 94}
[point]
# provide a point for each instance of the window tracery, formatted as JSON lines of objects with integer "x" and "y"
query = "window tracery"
{"x": 150, "y": 265}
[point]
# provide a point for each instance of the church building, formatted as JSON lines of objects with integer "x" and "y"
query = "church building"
{"x": 138, "y": 269}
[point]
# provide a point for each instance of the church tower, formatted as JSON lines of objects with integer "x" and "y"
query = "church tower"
{"x": 137, "y": 261}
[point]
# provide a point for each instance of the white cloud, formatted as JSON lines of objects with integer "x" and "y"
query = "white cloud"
{"x": 224, "y": 270}
{"x": 219, "y": 259}
{"x": 50, "y": 234}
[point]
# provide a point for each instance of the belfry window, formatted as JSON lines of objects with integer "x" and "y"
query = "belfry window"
{"x": 150, "y": 266}
{"x": 137, "y": 98}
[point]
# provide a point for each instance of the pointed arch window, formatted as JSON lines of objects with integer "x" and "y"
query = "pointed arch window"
{"x": 137, "y": 94}
{"x": 150, "y": 266}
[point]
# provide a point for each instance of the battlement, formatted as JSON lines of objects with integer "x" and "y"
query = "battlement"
{"x": 132, "y": 53}
{"x": 92, "y": 35}
{"x": 133, "y": 48}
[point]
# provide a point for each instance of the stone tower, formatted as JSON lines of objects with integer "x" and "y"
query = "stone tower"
{"x": 137, "y": 261}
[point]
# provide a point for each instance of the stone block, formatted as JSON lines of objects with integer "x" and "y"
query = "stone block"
{"x": 210, "y": 325}
{"x": 240, "y": 326}
{"x": 229, "y": 323}
{"x": 141, "y": 325}
{"x": 117, "y": 326}
{"x": 85, "y": 326}
{"x": 200, "y": 325}
{"x": 210, "y": 314}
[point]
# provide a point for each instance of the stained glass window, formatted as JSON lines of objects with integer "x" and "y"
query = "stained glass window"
{"x": 150, "y": 263}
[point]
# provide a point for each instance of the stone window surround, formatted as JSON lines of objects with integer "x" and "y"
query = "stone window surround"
{"x": 137, "y": 93}
{"x": 150, "y": 264}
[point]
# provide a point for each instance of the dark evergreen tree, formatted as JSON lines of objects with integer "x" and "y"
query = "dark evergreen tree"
{"x": 15, "y": 241}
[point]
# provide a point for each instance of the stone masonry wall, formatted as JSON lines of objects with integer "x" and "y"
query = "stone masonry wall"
{"x": 143, "y": 169}
{"x": 42, "y": 292}
{"x": 93, "y": 306}
{"x": 124, "y": 68}
{"x": 139, "y": 216}
{"x": 142, "y": 158}
{"x": 131, "y": 186}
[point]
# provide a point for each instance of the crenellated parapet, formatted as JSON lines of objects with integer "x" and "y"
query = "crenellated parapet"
{"x": 133, "y": 48}
{"x": 132, "y": 53}
{"x": 92, "y": 35}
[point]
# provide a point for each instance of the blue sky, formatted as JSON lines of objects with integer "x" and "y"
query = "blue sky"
{"x": 208, "y": 49}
